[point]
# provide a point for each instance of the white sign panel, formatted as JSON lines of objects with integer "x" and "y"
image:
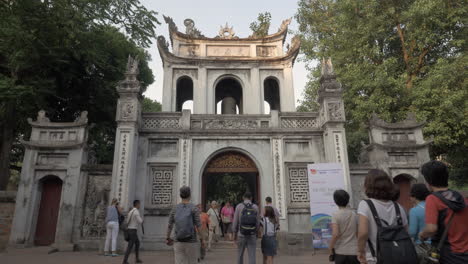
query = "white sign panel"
{"x": 324, "y": 179}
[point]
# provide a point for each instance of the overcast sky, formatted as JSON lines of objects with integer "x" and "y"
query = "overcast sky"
{"x": 209, "y": 15}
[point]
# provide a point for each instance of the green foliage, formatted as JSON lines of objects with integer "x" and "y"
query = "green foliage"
{"x": 262, "y": 25}
{"x": 66, "y": 56}
{"x": 150, "y": 106}
{"x": 393, "y": 57}
{"x": 227, "y": 187}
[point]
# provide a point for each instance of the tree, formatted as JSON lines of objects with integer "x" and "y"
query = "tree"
{"x": 66, "y": 56}
{"x": 262, "y": 25}
{"x": 150, "y": 106}
{"x": 393, "y": 57}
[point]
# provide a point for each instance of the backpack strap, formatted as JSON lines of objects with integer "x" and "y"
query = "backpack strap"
{"x": 398, "y": 214}
{"x": 447, "y": 227}
{"x": 377, "y": 222}
{"x": 374, "y": 213}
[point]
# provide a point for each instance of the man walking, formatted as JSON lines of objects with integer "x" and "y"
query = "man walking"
{"x": 445, "y": 209}
{"x": 133, "y": 221}
{"x": 245, "y": 228}
{"x": 186, "y": 218}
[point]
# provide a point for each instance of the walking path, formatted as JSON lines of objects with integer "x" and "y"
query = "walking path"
{"x": 39, "y": 255}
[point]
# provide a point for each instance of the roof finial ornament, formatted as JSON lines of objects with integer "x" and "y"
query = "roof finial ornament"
{"x": 190, "y": 28}
{"x": 132, "y": 66}
{"x": 327, "y": 67}
{"x": 226, "y": 32}
{"x": 284, "y": 24}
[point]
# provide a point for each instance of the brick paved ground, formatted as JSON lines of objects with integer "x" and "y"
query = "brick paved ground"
{"x": 217, "y": 256}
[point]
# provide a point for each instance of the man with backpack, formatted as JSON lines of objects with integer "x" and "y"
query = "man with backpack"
{"x": 245, "y": 228}
{"x": 446, "y": 210}
{"x": 186, "y": 218}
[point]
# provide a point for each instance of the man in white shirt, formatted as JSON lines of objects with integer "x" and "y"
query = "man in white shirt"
{"x": 133, "y": 221}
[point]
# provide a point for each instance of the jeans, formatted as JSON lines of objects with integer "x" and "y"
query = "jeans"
{"x": 112, "y": 231}
{"x": 186, "y": 252}
{"x": 132, "y": 233}
{"x": 249, "y": 242}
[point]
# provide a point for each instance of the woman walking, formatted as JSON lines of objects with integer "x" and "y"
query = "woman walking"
{"x": 380, "y": 190}
{"x": 112, "y": 227}
{"x": 214, "y": 229}
{"x": 227, "y": 215}
{"x": 269, "y": 227}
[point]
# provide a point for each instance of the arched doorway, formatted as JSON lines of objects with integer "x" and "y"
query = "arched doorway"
{"x": 404, "y": 182}
{"x": 228, "y": 175}
{"x": 48, "y": 211}
{"x": 184, "y": 92}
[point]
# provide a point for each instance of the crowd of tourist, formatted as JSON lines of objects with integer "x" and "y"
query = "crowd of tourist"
{"x": 381, "y": 231}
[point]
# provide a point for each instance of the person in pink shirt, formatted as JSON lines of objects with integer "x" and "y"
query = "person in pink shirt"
{"x": 227, "y": 215}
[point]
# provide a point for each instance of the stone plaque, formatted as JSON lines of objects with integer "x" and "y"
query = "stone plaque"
{"x": 267, "y": 51}
{"x": 189, "y": 50}
{"x": 52, "y": 159}
{"x": 166, "y": 148}
{"x": 227, "y": 51}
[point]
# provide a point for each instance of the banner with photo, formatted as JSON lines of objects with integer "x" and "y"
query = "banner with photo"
{"x": 324, "y": 179}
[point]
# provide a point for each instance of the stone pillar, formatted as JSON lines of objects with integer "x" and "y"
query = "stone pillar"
{"x": 332, "y": 120}
{"x": 167, "y": 90}
{"x": 287, "y": 92}
{"x": 200, "y": 94}
{"x": 228, "y": 106}
{"x": 279, "y": 180}
{"x": 126, "y": 139}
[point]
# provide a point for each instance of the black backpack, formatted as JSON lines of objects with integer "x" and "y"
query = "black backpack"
{"x": 248, "y": 220}
{"x": 183, "y": 218}
{"x": 394, "y": 244}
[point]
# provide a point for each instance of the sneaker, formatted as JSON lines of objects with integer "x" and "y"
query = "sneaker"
{"x": 139, "y": 261}
{"x": 114, "y": 255}
{"x": 107, "y": 254}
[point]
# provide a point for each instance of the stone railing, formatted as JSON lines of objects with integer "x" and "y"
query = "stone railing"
{"x": 166, "y": 121}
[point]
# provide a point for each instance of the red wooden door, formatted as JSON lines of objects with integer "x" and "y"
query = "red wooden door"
{"x": 48, "y": 212}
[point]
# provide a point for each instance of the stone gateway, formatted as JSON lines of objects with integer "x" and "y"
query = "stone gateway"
{"x": 243, "y": 124}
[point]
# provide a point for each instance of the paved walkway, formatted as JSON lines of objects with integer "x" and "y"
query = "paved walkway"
{"x": 218, "y": 256}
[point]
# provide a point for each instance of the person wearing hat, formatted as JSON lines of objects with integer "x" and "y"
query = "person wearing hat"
{"x": 214, "y": 229}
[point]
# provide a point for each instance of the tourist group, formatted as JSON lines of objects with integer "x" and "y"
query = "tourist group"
{"x": 435, "y": 230}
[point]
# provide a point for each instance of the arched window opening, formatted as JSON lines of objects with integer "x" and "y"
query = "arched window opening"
{"x": 184, "y": 92}
{"x": 188, "y": 105}
{"x": 228, "y": 96}
{"x": 272, "y": 94}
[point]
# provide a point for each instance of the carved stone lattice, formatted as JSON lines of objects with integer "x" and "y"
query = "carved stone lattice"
{"x": 334, "y": 111}
{"x": 298, "y": 185}
{"x": 161, "y": 186}
{"x": 299, "y": 123}
{"x": 231, "y": 124}
{"x": 231, "y": 162}
{"x": 95, "y": 204}
{"x": 156, "y": 123}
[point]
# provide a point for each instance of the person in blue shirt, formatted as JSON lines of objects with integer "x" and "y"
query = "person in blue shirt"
{"x": 417, "y": 217}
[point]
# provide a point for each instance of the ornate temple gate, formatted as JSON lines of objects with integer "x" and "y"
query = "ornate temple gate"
{"x": 231, "y": 162}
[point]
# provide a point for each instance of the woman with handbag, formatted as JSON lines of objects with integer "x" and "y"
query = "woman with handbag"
{"x": 113, "y": 219}
{"x": 227, "y": 215}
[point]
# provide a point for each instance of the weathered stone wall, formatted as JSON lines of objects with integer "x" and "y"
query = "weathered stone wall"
{"x": 7, "y": 210}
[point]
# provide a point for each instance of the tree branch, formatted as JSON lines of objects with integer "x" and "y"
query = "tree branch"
{"x": 402, "y": 41}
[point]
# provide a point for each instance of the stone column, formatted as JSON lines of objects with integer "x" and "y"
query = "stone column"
{"x": 279, "y": 180}
{"x": 287, "y": 92}
{"x": 167, "y": 89}
{"x": 126, "y": 139}
{"x": 199, "y": 94}
{"x": 332, "y": 120}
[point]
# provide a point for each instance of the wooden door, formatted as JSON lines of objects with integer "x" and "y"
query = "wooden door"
{"x": 48, "y": 211}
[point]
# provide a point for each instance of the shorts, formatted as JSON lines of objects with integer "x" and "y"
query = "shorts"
{"x": 269, "y": 245}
